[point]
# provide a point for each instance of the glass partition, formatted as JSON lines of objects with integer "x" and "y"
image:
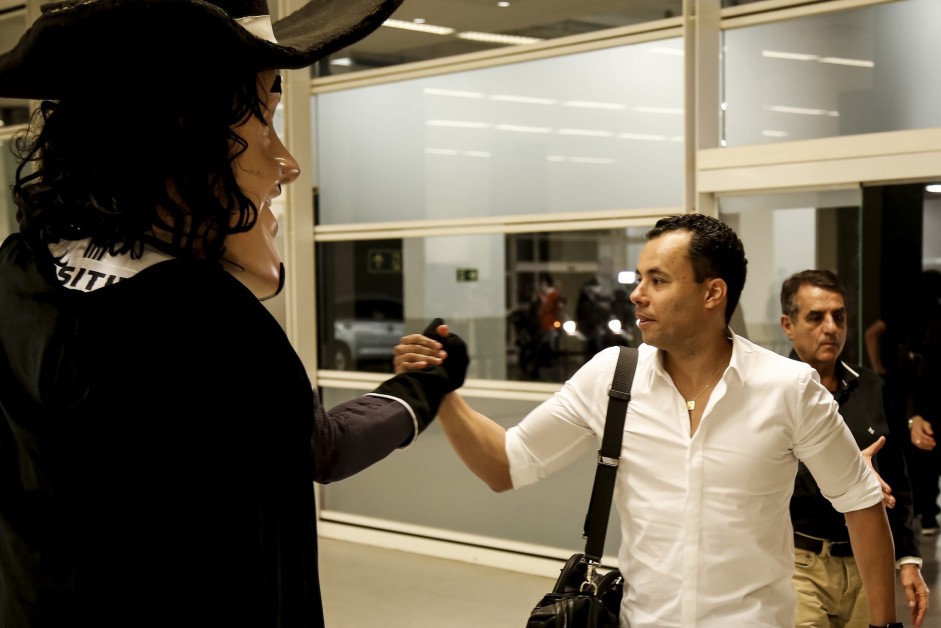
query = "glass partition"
{"x": 532, "y": 306}
{"x": 865, "y": 70}
{"x": 599, "y": 130}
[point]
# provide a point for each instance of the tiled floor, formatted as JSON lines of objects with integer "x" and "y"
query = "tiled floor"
{"x": 365, "y": 586}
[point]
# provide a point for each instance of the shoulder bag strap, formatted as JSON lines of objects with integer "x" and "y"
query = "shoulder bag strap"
{"x": 609, "y": 456}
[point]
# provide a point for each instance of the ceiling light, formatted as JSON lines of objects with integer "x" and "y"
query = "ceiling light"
{"x": 591, "y": 104}
{"x": 440, "y": 151}
{"x": 523, "y": 129}
{"x": 670, "y": 110}
{"x": 423, "y": 28}
{"x": 476, "y": 153}
{"x": 503, "y": 5}
{"x": 585, "y": 132}
{"x": 459, "y": 124}
{"x": 803, "y": 111}
{"x": 769, "y": 133}
{"x": 342, "y": 61}
{"x": 592, "y": 160}
{"x": 934, "y": 188}
{"x": 642, "y": 136}
{"x": 434, "y": 91}
{"x": 858, "y": 63}
{"x": 495, "y": 38}
{"x": 523, "y": 99}
{"x": 793, "y": 56}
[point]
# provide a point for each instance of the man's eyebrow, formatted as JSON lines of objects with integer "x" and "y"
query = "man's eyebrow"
{"x": 276, "y": 86}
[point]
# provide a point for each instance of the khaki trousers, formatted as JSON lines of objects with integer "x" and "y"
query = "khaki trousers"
{"x": 829, "y": 591}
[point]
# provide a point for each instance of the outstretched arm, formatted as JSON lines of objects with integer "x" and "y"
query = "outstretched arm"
{"x": 875, "y": 557}
{"x": 478, "y": 441}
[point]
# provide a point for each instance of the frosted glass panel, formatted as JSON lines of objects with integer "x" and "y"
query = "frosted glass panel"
{"x": 599, "y": 130}
{"x": 866, "y": 70}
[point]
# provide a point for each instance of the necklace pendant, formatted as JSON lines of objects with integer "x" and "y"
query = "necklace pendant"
{"x": 691, "y": 405}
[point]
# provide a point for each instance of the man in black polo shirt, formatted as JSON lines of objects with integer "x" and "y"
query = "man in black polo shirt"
{"x": 827, "y": 580}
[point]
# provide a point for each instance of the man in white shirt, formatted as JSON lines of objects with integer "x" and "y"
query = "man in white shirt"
{"x": 714, "y": 431}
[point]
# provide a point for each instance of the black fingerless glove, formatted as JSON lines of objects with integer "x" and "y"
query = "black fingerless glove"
{"x": 457, "y": 361}
{"x": 423, "y": 390}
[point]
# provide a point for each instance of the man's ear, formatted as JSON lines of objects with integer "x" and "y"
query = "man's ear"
{"x": 716, "y": 292}
{"x": 786, "y": 326}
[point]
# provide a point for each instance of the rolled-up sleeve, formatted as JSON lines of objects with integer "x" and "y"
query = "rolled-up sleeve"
{"x": 564, "y": 427}
{"x": 830, "y": 452}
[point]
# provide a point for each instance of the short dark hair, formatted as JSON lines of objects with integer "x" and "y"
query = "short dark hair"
{"x": 714, "y": 251}
{"x": 823, "y": 279}
{"x": 157, "y": 158}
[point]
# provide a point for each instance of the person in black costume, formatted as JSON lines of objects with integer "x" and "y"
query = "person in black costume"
{"x": 826, "y": 577}
{"x": 159, "y": 435}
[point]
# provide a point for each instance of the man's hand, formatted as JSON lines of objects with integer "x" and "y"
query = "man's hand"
{"x": 922, "y": 434}
{"x": 887, "y": 498}
{"x": 435, "y": 346}
{"x": 916, "y": 591}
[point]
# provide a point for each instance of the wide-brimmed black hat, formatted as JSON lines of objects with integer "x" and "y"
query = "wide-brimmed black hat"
{"x": 82, "y": 44}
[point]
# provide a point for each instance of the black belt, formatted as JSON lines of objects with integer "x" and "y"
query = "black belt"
{"x": 840, "y": 549}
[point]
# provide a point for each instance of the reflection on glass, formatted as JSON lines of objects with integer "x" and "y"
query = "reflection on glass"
{"x": 833, "y": 75}
{"x": 594, "y": 131}
{"x": 532, "y": 306}
{"x": 424, "y": 29}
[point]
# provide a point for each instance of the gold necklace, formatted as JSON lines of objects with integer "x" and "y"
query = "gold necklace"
{"x": 691, "y": 403}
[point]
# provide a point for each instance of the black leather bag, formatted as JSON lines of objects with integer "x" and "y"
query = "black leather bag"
{"x": 582, "y": 597}
{"x": 579, "y": 599}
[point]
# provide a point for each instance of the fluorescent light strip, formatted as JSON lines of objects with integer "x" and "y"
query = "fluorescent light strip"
{"x": 858, "y": 63}
{"x": 523, "y": 99}
{"x": 592, "y": 160}
{"x": 803, "y": 111}
{"x": 476, "y": 153}
{"x": 457, "y": 124}
{"x": 450, "y": 152}
{"x": 642, "y": 136}
{"x": 800, "y": 56}
{"x": 496, "y": 38}
{"x": 422, "y": 28}
{"x": 434, "y": 91}
{"x": 344, "y": 61}
{"x": 669, "y": 110}
{"x": 523, "y": 129}
{"x": 768, "y": 133}
{"x": 591, "y": 104}
{"x": 793, "y": 56}
{"x": 934, "y": 188}
{"x": 585, "y": 132}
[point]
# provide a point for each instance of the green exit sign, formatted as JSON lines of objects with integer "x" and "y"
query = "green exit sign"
{"x": 466, "y": 274}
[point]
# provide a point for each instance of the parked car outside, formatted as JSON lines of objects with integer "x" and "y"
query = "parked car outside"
{"x": 365, "y": 333}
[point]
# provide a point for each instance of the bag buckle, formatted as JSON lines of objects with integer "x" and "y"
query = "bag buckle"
{"x": 590, "y": 584}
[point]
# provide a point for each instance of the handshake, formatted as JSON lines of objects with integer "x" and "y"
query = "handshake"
{"x": 435, "y": 348}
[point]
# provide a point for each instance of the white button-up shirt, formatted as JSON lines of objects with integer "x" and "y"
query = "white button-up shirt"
{"x": 705, "y": 526}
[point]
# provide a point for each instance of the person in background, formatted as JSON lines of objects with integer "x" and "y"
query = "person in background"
{"x": 826, "y": 576}
{"x": 910, "y": 362}
{"x": 159, "y": 435}
{"x": 714, "y": 432}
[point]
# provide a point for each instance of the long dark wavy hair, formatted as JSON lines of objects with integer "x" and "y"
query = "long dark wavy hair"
{"x": 118, "y": 163}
